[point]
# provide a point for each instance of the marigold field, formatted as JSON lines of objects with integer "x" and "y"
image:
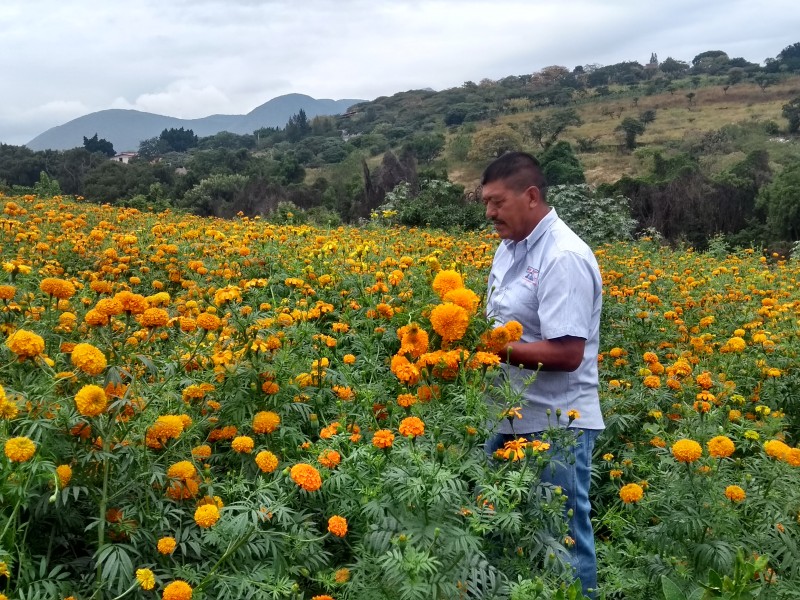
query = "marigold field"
{"x": 197, "y": 408}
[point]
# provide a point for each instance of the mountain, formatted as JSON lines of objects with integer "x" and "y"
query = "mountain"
{"x": 126, "y": 128}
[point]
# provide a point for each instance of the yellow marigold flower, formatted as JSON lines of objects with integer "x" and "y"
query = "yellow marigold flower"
{"x": 776, "y": 449}
{"x": 266, "y": 461}
{"x": 91, "y": 400}
{"x": 736, "y": 344}
{"x": 95, "y": 318}
{"x": 166, "y": 427}
{"x": 342, "y": 575}
{"x": 465, "y": 298}
{"x": 166, "y": 545}
{"x": 337, "y": 526}
{"x": 306, "y": 477}
{"x": 206, "y": 515}
{"x": 450, "y": 321}
{"x": 383, "y": 438}
{"x": 631, "y": 493}
{"x": 146, "y": 579}
{"x": 686, "y": 450}
{"x": 243, "y": 444}
{"x": 109, "y": 307}
{"x": 182, "y": 470}
{"x": 720, "y": 447}
{"x": 734, "y": 493}
{"x": 19, "y": 449}
{"x": 57, "y": 288}
{"x": 25, "y": 344}
{"x": 445, "y": 281}
{"x": 208, "y": 321}
{"x": 64, "y": 474}
{"x": 177, "y": 590}
{"x": 573, "y": 414}
{"x": 349, "y": 359}
{"x": 412, "y": 426}
{"x": 202, "y": 451}
{"x": 734, "y": 415}
{"x": 88, "y": 359}
{"x": 154, "y": 317}
{"x": 265, "y": 422}
{"x": 751, "y": 435}
{"x": 329, "y": 458}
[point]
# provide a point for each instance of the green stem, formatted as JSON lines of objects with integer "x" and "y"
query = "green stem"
{"x": 101, "y": 526}
{"x": 231, "y": 549}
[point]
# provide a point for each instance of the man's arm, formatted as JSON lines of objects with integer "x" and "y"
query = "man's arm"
{"x": 559, "y": 354}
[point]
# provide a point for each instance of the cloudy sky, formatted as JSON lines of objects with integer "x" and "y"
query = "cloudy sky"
{"x": 191, "y": 58}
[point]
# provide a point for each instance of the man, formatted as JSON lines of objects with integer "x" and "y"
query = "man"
{"x": 546, "y": 278}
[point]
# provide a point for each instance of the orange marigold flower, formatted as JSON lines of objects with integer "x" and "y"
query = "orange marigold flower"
{"x": 445, "y": 281}
{"x": 19, "y": 449}
{"x": 109, "y": 307}
{"x": 322, "y": 597}
{"x": 131, "y": 303}
{"x": 243, "y": 444}
{"x": 650, "y": 357}
{"x": 306, "y": 477}
{"x": 652, "y": 382}
{"x": 95, "y": 318}
{"x": 465, "y": 298}
{"x": 165, "y": 428}
{"x": 7, "y": 292}
{"x": 631, "y": 493}
{"x": 182, "y": 470}
{"x": 686, "y": 450}
{"x": 734, "y": 493}
{"x": 206, "y": 515}
{"x": 270, "y": 388}
{"x": 166, "y": 545}
{"x": 91, "y": 400}
{"x": 265, "y": 422}
{"x": 349, "y": 359}
{"x": 412, "y": 426}
{"x": 777, "y": 449}
{"x": 177, "y": 590}
{"x": 25, "y": 344}
{"x": 342, "y": 575}
{"x": 88, "y": 359}
{"x": 406, "y": 400}
{"x": 450, "y": 321}
{"x": 383, "y": 438}
{"x": 413, "y": 340}
{"x": 208, "y": 321}
{"x": 720, "y": 447}
{"x": 64, "y": 474}
{"x": 404, "y": 370}
{"x": 329, "y": 458}
{"x": 202, "y": 451}
{"x": 57, "y": 288}
{"x": 266, "y": 461}
{"x": 154, "y": 317}
{"x": 337, "y": 526}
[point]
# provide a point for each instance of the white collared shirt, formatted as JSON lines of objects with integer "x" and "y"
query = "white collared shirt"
{"x": 550, "y": 283}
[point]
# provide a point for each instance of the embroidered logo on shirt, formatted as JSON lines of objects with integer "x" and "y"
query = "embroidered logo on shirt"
{"x": 532, "y": 275}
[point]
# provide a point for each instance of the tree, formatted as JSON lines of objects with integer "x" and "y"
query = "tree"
{"x": 298, "y": 126}
{"x": 647, "y": 116}
{"x": 672, "y": 67}
{"x": 545, "y": 130}
{"x": 791, "y": 111}
{"x": 101, "y": 145}
{"x": 595, "y": 217}
{"x": 781, "y": 202}
{"x": 493, "y": 142}
{"x": 632, "y": 128}
{"x": 764, "y": 80}
{"x": 427, "y": 146}
{"x": 735, "y": 75}
{"x": 560, "y": 165}
{"x": 178, "y": 140}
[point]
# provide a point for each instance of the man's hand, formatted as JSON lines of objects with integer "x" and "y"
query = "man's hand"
{"x": 559, "y": 354}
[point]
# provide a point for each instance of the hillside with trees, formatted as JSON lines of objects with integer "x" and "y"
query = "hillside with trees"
{"x": 697, "y": 149}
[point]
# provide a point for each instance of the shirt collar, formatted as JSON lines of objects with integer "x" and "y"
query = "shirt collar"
{"x": 534, "y": 235}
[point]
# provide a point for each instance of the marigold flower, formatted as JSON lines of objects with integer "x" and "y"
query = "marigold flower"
{"x": 450, "y": 321}
{"x": 91, "y": 400}
{"x": 145, "y": 578}
{"x": 57, "y": 288}
{"x": 776, "y": 449}
{"x": 686, "y": 450}
{"x": 736, "y": 344}
{"x": 631, "y": 493}
{"x": 208, "y": 321}
{"x": 177, "y": 590}
{"x": 337, "y": 526}
{"x": 64, "y": 474}
{"x": 243, "y": 444}
{"x": 465, "y": 298}
{"x": 306, "y": 477}
{"x": 206, "y": 515}
{"x": 270, "y": 387}
{"x": 383, "y": 438}
{"x": 349, "y": 359}
{"x": 265, "y": 422}
{"x": 166, "y": 427}
{"x": 202, "y": 451}
{"x": 445, "y": 281}
{"x": 341, "y": 575}
{"x": 154, "y": 317}
{"x": 329, "y": 458}
{"x": 7, "y": 292}
{"x": 573, "y": 414}
{"x": 734, "y": 493}
{"x": 95, "y": 318}
{"x": 182, "y": 470}
{"x": 109, "y": 307}
{"x": 88, "y": 359}
{"x": 652, "y": 382}
{"x": 650, "y": 357}
{"x": 404, "y": 370}
{"x": 131, "y": 303}
{"x": 266, "y": 461}
{"x": 322, "y": 597}
{"x": 413, "y": 340}
{"x": 166, "y": 545}
{"x": 25, "y": 344}
{"x": 19, "y": 449}
{"x": 406, "y": 400}
{"x": 720, "y": 447}
{"x": 412, "y": 427}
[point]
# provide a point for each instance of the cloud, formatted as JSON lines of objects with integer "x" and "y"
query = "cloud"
{"x": 187, "y": 100}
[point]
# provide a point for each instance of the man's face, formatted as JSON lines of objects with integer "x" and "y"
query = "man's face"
{"x": 511, "y": 212}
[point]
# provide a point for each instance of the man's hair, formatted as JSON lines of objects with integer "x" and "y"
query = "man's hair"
{"x": 518, "y": 170}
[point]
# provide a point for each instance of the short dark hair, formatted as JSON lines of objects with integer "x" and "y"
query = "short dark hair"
{"x": 518, "y": 170}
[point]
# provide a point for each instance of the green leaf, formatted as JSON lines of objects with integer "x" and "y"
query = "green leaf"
{"x": 671, "y": 589}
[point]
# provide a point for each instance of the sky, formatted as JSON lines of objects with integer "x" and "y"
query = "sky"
{"x": 191, "y": 58}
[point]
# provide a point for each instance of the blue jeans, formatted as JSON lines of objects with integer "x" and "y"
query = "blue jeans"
{"x": 574, "y": 479}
